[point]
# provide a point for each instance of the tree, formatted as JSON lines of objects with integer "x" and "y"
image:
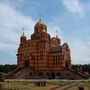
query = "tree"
{"x": 7, "y": 68}
{"x": 85, "y": 67}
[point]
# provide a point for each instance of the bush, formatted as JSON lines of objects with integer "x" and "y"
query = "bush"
{"x": 1, "y": 76}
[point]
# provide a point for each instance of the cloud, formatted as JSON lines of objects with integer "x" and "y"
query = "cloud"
{"x": 11, "y": 24}
{"x": 7, "y": 48}
{"x": 80, "y": 51}
{"x": 73, "y": 6}
{"x": 54, "y": 30}
{"x": 19, "y": 0}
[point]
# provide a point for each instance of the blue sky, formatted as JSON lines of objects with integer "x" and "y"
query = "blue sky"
{"x": 70, "y": 17}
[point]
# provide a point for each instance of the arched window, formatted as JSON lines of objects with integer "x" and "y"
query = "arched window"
{"x": 53, "y": 62}
{"x": 66, "y": 64}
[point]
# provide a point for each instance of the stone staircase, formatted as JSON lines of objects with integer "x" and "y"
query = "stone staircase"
{"x": 65, "y": 74}
{"x": 80, "y": 73}
{"x": 11, "y": 74}
{"x": 73, "y": 74}
{"x": 23, "y": 74}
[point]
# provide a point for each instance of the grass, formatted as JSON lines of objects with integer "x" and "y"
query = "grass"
{"x": 30, "y": 85}
{"x": 17, "y": 85}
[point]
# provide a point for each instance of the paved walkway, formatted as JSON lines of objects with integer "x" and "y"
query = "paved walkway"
{"x": 77, "y": 88}
{"x": 67, "y": 86}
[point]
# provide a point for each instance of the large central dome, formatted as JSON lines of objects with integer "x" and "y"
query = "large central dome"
{"x": 40, "y": 27}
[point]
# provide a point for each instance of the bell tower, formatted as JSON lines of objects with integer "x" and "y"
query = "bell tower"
{"x": 23, "y": 39}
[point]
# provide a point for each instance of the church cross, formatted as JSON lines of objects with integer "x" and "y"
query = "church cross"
{"x": 23, "y": 30}
{"x": 56, "y": 33}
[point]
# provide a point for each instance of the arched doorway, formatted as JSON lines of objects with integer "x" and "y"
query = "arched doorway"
{"x": 66, "y": 64}
{"x": 53, "y": 75}
{"x": 26, "y": 64}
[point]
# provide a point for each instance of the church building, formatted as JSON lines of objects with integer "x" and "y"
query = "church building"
{"x": 44, "y": 55}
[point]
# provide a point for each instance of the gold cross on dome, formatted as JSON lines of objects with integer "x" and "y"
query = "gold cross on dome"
{"x": 23, "y": 30}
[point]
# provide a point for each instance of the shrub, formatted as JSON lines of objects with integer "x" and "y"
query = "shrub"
{"x": 1, "y": 76}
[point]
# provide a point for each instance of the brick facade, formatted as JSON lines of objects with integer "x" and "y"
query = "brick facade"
{"x": 42, "y": 54}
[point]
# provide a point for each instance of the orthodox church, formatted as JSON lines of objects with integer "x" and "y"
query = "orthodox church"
{"x": 44, "y": 57}
{"x": 42, "y": 54}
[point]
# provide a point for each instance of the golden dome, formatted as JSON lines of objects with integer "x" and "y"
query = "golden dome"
{"x": 40, "y": 26}
{"x": 44, "y": 30}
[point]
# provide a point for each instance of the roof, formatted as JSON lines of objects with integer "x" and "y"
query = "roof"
{"x": 56, "y": 49}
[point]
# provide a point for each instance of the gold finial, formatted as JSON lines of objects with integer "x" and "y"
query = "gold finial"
{"x": 23, "y": 31}
{"x": 40, "y": 16}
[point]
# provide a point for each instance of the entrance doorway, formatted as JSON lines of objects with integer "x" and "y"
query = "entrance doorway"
{"x": 66, "y": 64}
{"x": 26, "y": 64}
{"x": 53, "y": 75}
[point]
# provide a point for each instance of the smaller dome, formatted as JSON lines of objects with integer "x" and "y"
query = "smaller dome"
{"x": 65, "y": 46}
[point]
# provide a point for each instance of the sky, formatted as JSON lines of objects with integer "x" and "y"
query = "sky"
{"x": 70, "y": 17}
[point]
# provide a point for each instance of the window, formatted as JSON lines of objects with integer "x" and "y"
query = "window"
{"x": 41, "y": 55}
{"x": 53, "y": 62}
{"x": 56, "y": 62}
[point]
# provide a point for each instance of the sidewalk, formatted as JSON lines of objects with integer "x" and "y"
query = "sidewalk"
{"x": 67, "y": 86}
